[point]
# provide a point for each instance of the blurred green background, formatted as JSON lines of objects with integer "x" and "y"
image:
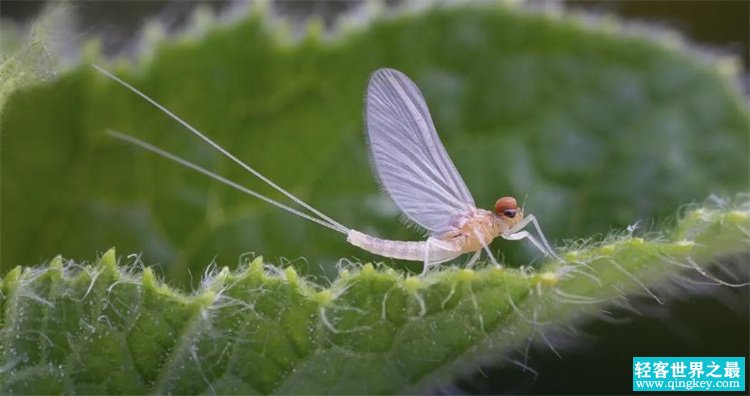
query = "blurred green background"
{"x": 595, "y": 131}
{"x": 722, "y": 25}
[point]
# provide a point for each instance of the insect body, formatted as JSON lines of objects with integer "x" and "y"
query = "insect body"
{"x": 413, "y": 167}
{"x": 478, "y": 230}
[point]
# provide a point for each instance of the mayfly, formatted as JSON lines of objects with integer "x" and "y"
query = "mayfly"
{"x": 412, "y": 166}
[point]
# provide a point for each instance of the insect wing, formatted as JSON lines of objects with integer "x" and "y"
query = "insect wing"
{"x": 409, "y": 158}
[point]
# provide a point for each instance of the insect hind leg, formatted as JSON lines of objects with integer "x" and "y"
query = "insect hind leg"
{"x": 426, "y": 266}
{"x": 442, "y": 252}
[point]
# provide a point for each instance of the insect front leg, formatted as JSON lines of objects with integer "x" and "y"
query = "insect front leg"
{"x": 525, "y": 235}
{"x": 516, "y": 234}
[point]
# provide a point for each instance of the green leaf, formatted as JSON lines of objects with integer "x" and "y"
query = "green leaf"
{"x": 25, "y": 60}
{"x": 78, "y": 328}
{"x": 597, "y": 125}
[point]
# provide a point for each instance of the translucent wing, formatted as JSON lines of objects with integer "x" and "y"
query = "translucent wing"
{"x": 409, "y": 158}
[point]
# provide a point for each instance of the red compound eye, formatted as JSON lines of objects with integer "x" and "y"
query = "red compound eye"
{"x": 506, "y": 207}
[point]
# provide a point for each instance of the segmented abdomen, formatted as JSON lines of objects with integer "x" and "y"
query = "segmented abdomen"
{"x": 403, "y": 250}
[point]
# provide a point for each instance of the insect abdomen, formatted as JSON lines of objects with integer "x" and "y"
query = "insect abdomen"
{"x": 402, "y": 250}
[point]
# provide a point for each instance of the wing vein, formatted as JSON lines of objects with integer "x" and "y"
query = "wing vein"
{"x": 409, "y": 158}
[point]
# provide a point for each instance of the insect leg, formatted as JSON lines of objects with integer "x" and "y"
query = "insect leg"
{"x": 426, "y": 265}
{"x": 473, "y": 259}
{"x": 525, "y": 235}
{"x": 486, "y": 248}
{"x": 541, "y": 235}
{"x": 544, "y": 247}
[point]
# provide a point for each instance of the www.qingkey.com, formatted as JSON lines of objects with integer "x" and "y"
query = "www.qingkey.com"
{"x": 686, "y": 384}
